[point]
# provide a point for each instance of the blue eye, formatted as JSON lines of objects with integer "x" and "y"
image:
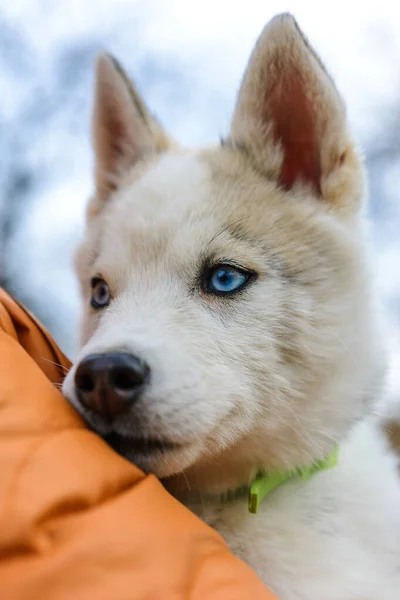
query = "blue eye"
{"x": 225, "y": 279}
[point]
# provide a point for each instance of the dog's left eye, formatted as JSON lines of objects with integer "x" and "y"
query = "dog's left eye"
{"x": 100, "y": 293}
{"x": 226, "y": 279}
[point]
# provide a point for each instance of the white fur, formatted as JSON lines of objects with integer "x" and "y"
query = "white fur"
{"x": 335, "y": 536}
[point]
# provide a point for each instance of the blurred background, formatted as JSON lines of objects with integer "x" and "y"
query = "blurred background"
{"x": 187, "y": 58}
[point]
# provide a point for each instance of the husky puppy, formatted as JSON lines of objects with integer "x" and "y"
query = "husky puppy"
{"x": 229, "y": 342}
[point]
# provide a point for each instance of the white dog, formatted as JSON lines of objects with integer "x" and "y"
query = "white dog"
{"x": 229, "y": 342}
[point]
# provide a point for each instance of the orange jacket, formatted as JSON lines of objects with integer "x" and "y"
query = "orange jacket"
{"x": 78, "y": 522}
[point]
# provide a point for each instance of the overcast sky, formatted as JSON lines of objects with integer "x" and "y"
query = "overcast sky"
{"x": 188, "y": 58}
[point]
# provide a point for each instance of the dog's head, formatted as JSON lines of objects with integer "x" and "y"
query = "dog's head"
{"x": 227, "y": 318}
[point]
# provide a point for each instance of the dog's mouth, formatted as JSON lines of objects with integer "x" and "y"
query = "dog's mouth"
{"x": 126, "y": 446}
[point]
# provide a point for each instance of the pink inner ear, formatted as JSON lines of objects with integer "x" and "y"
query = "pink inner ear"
{"x": 295, "y": 126}
{"x": 117, "y": 142}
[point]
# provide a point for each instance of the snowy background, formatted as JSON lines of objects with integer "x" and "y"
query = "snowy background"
{"x": 187, "y": 58}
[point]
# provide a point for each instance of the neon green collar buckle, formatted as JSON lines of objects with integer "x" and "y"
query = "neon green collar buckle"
{"x": 264, "y": 483}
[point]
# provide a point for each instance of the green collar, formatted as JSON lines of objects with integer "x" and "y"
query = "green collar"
{"x": 264, "y": 483}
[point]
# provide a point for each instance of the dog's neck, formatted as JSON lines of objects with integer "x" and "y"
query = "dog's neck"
{"x": 259, "y": 487}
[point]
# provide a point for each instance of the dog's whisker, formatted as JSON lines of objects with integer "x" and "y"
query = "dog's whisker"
{"x": 335, "y": 333}
{"x": 186, "y": 481}
{"x": 56, "y": 364}
{"x": 226, "y": 228}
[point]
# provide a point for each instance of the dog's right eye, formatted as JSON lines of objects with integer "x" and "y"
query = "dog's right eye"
{"x": 100, "y": 293}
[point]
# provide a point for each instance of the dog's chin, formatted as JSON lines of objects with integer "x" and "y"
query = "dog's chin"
{"x": 163, "y": 458}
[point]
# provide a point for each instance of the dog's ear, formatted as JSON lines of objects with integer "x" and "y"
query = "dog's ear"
{"x": 290, "y": 118}
{"x": 123, "y": 130}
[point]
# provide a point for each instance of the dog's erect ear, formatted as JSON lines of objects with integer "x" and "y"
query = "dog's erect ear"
{"x": 124, "y": 132}
{"x": 290, "y": 117}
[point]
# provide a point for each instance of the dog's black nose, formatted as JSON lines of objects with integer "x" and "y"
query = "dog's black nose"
{"x": 110, "y": 383}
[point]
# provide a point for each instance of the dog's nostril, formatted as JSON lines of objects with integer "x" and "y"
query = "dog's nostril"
{"x": 85, "y": 382}
{"x": 126, "y": 379}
